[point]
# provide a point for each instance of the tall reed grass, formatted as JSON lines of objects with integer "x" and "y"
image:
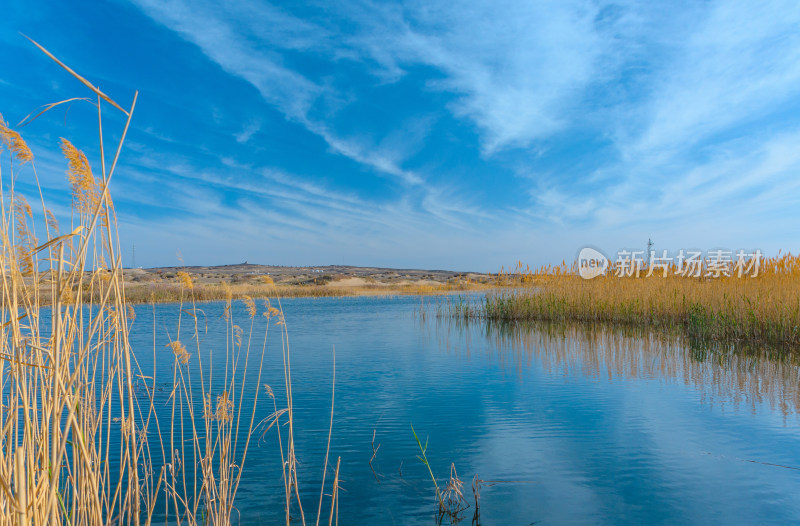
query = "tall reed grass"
{"x": 763, "y": 309}
{"x": 81, "y": 439}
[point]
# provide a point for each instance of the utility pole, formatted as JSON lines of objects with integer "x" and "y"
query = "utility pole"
{"x": 649, "y": 249}
{"x": 133, "y": 257}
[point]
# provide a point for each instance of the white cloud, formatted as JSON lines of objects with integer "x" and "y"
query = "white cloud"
{"x": 518, "y": 68}
{"x": 738, "y": 62}
{"x": 676, "y": 96}
{"x": 702, "y": 140}
{"x": 223, "y": 41}
{"x": 383, "y": 160}
{"x": 248, "y": 131}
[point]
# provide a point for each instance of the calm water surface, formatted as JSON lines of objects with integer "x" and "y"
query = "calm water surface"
{"x": 565, "y": 425}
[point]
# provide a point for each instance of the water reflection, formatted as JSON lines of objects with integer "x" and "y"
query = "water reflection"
{"x": 744, "y": 376}
{"x": 573, "y": 424}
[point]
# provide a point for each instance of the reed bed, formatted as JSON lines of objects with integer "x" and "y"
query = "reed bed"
{"x": 167, "y": 292}
{"x": 764, "y": 309}
{"x": 81, "y": 441}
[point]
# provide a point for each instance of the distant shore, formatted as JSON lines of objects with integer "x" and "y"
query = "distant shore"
{"x": 209, "y": 283}
{"x": 172, "y": 292}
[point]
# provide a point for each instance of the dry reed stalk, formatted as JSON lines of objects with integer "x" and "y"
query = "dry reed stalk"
{"x": 375, "y": 454}
{"x": 66, "y": 375}
{"x": 328, "y": 447}
{"x": 80, "y": 442}
{"x": 335, "y": 495}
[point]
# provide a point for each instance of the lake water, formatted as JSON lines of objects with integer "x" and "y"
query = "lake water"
{"x": 564, "y": 425}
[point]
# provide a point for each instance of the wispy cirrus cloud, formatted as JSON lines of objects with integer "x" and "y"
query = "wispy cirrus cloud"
{"x": 220, "y": 35}
{"x": 470, "y": 123}
{"x": 518, "y": 69}
{"x": 222, "y": 41}
{"x": 738, "y": 62}
{"x": 248, "y": 131}
{"x": 705, "y": 134}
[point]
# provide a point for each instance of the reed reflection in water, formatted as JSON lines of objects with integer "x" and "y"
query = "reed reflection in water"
{"x": 741, "y": 376}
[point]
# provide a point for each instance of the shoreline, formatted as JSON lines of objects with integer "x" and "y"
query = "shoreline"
{"x": 173, "y": 293}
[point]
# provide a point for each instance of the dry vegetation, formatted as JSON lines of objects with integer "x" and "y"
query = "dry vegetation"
{"x": 81, "y": 441}
{"x": 168, "y": 292}
{"x": 258, "y": 281}
{"x": 163, "y": 285}
{"x": 169, "y": 288}
{"x": 761, "y": 309}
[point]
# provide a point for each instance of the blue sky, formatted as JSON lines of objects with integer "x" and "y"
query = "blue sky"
{"x": 425, "y": 134}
